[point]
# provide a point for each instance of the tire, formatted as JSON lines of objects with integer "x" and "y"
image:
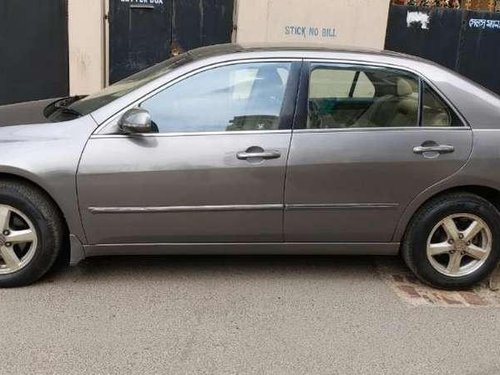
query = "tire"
{"x": 440, "y": 256}
{"x": 32, "y": 211}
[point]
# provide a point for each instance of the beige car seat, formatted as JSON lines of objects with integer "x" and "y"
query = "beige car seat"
{"x": 392, "y": 110}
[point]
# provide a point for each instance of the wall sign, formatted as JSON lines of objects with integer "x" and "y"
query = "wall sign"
{"x": 143, "y": 2}
{"x": 309, "y": 32}
{"x": 481, "y": 23}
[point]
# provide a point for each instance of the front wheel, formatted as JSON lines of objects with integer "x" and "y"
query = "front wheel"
{"x": 453, "y": 241}
{"x": 31, "y": 234}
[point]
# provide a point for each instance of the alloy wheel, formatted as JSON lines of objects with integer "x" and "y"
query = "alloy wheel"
{"x": 459, "y": 245}
{"x": 18, "y": 240}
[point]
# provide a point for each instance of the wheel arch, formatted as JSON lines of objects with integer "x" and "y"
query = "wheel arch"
{"x": 21, "y": 178}
{"x": 489, "y": 193}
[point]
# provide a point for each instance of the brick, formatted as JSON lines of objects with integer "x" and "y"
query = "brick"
{"x": 410, "y": 291}
{"x": 449, "y": 300}
{"x": 473, "y": 299}
{"x": 428, "y": 299}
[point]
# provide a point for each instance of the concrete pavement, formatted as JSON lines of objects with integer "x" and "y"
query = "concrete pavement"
{"x": 237, "y": 315}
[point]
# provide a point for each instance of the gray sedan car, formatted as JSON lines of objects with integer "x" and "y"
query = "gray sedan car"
{"x": 260, "y": 150}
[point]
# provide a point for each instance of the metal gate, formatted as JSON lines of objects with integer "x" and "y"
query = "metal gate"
{"x": 34, "y": 50}
{"x": 465, "y": 41}
{"x": 144, "y": 32}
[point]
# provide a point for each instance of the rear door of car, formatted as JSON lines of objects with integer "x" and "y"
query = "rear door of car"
{"x": 353, "y": 169}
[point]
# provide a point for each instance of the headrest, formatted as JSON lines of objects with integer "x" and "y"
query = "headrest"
{"x": 408, "y": 107}
{"x": 404, "y": 87}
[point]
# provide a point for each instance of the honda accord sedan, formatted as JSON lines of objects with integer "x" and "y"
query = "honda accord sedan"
{"x": 260, "y": 150}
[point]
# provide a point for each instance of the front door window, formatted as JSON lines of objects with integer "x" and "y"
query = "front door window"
{"x": 230, "y": 98}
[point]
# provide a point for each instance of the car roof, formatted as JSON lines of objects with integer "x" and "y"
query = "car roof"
{"x": 287, "y": 48}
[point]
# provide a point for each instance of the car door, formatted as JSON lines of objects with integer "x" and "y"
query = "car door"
{"x": 352, "y": 171}
{"x": 215, "y": 170}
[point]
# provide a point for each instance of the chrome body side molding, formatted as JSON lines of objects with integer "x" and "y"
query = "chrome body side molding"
{"x": 341, "y": 206}
{"x": 239, "y": 207}
{"x": 134, "y": 210}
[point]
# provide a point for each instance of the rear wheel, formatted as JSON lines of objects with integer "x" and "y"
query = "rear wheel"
{"x": 31, "y": 233}
{"x": 453, "y": 241}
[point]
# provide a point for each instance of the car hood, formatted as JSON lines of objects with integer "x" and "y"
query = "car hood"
{"x": 24, "y": 113}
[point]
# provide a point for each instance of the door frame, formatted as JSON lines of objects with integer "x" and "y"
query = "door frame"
{"x": 107, "y": 127}
{"x": 303, "y": 94}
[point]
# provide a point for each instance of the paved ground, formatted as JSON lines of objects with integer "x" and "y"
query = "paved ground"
{"x": 240, "y": 315}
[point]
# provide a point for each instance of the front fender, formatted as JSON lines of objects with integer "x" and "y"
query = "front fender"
{"x": 47, "y": 155}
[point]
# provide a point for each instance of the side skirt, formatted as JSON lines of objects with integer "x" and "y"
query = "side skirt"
{"x": 289, "y": 248}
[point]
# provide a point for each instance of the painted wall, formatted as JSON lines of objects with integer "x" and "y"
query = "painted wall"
{"x": 87, "y": 54}
{"x": 33, "y": 50}
{"x": 360, "y": 23}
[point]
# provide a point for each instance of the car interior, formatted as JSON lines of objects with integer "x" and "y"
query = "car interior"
{"x": 387, "y": 99}
{"x": 265, "y": 100}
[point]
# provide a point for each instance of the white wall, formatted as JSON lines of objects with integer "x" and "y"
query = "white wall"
{"x": 86, "y": 46}
{"x": 360, "y": 23}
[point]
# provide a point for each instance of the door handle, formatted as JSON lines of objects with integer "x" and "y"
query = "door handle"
{"x": 245, "y": 155}
{"x": 441, "y": 149}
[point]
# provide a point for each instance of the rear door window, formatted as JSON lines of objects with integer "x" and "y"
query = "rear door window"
{"x": 360, "y": 98}
{"x": 373, "y": 97}
{"x": 435, "y": 112}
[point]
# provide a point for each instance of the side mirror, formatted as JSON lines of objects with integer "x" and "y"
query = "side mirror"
{"x": 136, "y": 121}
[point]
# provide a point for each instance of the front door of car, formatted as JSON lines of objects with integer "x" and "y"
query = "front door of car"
{"x": 367, "y": 141}
{"x": 213, "y": 172}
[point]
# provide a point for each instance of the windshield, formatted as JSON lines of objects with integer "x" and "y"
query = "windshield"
{"x": 93, "y": 102}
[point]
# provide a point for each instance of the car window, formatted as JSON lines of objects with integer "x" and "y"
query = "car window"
{"x": 334, "y": 83}
{"x": 435, "y": 112}
{"x": 360, "y": 98}
{"x": 363, "y": 87}
{"x": 230, "y": 98}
